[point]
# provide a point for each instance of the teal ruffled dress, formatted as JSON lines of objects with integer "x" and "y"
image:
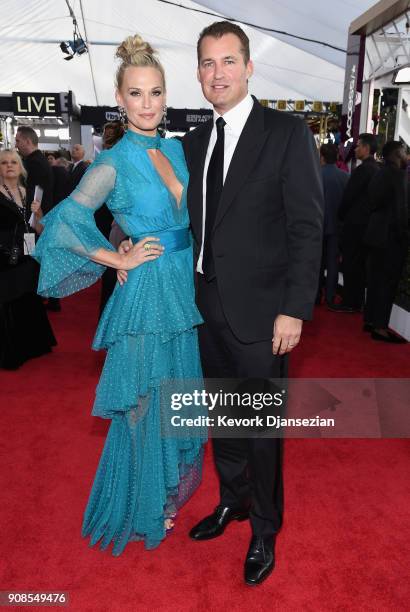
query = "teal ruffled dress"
{"x": 148, "y": 329}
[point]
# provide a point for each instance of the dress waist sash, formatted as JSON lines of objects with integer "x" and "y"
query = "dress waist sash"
{"x": 172, "y": 240}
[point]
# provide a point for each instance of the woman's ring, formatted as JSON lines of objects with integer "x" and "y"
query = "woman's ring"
{"x": 147, "y": 246}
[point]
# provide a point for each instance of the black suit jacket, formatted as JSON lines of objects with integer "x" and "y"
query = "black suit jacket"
{"x": 61, "y": 184}
{"x": 334, "y": 184}
{"x": 76, "y": 174}
{"x": 39, "y": 173}
{"x": 267, "y": 237}
{"x": 389, "y": 208}
{"x": 354, "y": 209}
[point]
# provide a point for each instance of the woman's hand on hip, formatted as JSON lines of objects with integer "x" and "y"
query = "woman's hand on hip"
{"x": 132, "y": 256}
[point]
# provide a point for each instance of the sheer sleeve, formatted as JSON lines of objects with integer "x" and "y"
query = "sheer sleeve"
{"x": 70, "y": 235}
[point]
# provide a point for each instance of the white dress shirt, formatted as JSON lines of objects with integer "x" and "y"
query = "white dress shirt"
{"x": 75, "y": 164}
{"x": 235, "y": 121}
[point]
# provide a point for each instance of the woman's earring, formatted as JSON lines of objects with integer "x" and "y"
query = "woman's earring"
{"x": 164, "y": 117}
{"x": 123, "y": 115}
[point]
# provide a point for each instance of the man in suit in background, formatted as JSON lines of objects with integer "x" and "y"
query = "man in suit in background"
{"x": 354, "y": 213}
{"x": 78, "y": 167}
{"x": 38, "y": 173}
{"x": 334, "y": 184}
{"x": 387, "y": 240}
{"x": 256, "y": 207}
{"x": 61, "y": 178}
{"x": 38, "y": 169}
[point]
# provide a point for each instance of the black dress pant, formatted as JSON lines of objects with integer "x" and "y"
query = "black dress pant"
{"x": 330, "y": 263}
{"x": 384, "y": 270}
{"x": 354, "y": 255}
{"x": 249, "y": 469}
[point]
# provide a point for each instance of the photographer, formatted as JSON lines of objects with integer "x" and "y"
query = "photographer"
{"x": 25, "y": 331}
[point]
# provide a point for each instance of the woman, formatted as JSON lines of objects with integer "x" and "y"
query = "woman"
{"x": 112, "y": 132}
{"x": 148, "y": 325}
{"x": 25, "y": 331}
{"x": 52, "y": 158}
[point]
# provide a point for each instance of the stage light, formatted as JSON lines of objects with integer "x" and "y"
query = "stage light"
{"x": 73, "y": 47}
{"x": 66, "y": 48}
{"x": 77, "y": 46}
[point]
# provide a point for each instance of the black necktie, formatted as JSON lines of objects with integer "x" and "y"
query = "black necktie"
{"x": 214, "y": 184}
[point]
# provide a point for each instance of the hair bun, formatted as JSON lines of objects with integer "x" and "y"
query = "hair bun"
{"x": 132, "y": 46}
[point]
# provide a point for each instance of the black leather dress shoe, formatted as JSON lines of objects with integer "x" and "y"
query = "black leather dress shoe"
{"x": 53, "y": 305}
{"x": 260, "y": 559}
{"x": 341, "y": 308}
{"x": 215, "y": 524}
{"x": 392, "y": 338}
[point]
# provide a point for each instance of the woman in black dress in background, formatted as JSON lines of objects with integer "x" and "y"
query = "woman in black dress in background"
{"x": 25, "y": 331}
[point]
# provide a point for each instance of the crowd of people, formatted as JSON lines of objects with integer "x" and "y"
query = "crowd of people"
{"x": 33, "y": 182}
{"x": 366, "y": 232}
{"x": 25, "y": 331}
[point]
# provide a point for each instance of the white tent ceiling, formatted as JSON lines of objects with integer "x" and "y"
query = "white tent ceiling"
{"x": 285, "y": 67}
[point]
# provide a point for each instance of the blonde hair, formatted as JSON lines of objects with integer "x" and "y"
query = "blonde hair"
{"x": 14, "y": 153}
{"x": 134, "y": 51}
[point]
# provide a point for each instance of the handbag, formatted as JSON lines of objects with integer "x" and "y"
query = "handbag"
{"x": 13, "y": 253}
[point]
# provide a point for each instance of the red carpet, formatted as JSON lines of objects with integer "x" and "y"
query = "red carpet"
{"x": 344, "y": 543}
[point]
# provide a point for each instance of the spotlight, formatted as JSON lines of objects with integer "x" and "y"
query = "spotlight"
{"x": 73, "y": 47}
{"x": 67, "y": 48}
{"x": 76, "y": 46}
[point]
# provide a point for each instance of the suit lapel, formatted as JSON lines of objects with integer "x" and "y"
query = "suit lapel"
{"x": 195, "y": 186}
{"x": 246, "y": 153}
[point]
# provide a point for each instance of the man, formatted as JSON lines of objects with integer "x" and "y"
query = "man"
{"x": 37, "y": 166}
{"x": 387, "y": 239}
{"x": 334, "y": 184}
{"x": 256, "y": 206}
{"x": 61, "y": 178}
{"x": 354, "y": 212}
{"x": 78, "y": 167}
{"x": 39, "y": 172}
